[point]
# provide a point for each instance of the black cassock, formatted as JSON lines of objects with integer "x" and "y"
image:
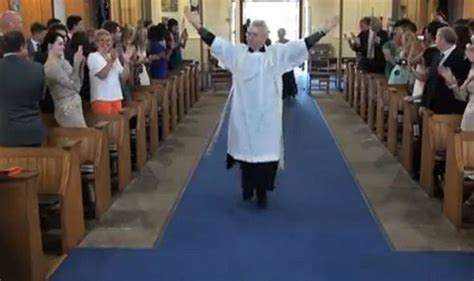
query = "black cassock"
{"x": 290, "y": 89}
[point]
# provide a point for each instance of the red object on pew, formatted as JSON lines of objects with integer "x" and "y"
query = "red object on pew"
{"x": 12, "y": 171}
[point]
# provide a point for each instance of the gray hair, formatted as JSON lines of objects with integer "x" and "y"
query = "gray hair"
{"x": 260, "y": 24}
{"x": 448, "y": 34}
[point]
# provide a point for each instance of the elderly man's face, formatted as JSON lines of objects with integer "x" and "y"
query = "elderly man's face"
{"x": 256, "y": 37}
{"x": 11, "y": 22}
{"x": 441, "y": 43}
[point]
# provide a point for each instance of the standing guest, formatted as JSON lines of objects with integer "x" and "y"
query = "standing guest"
{"x": 74, "y": 24}
{"x": 290, "y": 89}
{"x": 255, "y": 125}
{"x": 159, "y": 55}
{"x": 141, "y": 43}
{"x": 106, "y": 73}
{"x": 176, "y": 59}
{"x": 464, "y": 92}
{"x": 33, "y": 45}
{"x": 9, "y": 21}
{"x": 376, "y": 40}
{"x": 80, "y": 39}
{"x": 437, "y": 96}
{"x": 359, "y": 44}
{"x": 20, "y": 117}
{"x": 52, "y": 22}
{"x": 464, "y": 36}
{"x": 64, "y": 82}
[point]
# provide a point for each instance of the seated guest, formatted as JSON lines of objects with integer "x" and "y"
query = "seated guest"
{"x": 105, "y": 73}
{"x": 159, "y": 55}
{"x": 64, "y": 82}
{"x": 437, "y": 97}
{"x": 20, "y": 118}
{"x": 33, "y": 45}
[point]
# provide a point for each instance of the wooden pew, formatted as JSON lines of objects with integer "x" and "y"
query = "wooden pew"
{"x": 381, "y": 113}
{"x": 94, "y": 159}
{"x": 435, "y": 134}
{"x": 357, "y": 89}
{"x": 180, "y": 93}
{"x": 137, "y": 124}
{"x": 20, "y": 239}
{"x": 411, "y": 133}
{"x": 147, "y": 95}
{"x": 363, "y": 94}
{"x": 118, "y": 134}
{"x": 167, "y": 101}
{"x": 59, "y": 183}
{"x": 350, "y": 82}
{"x": 198, "y": 81}
{"x": 459, "y": 163}
{"x": 372, "y": 99}
{"x": 395, "y": 116}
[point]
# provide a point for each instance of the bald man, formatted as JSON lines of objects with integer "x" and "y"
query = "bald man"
{"x": 9, "y": 21}
{"x": 255, "y": 125}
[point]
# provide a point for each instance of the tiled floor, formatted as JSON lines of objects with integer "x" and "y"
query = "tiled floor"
{"x": 411, "y": 220}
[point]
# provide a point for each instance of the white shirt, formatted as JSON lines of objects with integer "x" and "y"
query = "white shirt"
{"x": 255, "y": 125}
{"x": 110, "y": 88}
{"x": 35, "y": 44}
{"x": 446, "y": 54}
{"x": 371, "y": 45}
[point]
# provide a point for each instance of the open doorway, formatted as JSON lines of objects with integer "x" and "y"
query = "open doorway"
{"x": 277, "y": 14}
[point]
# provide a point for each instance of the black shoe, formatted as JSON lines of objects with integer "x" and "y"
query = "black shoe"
{"x": 247, "y": 195}
{"x": 271, "y": 188}
{"x": 262, "y": 203}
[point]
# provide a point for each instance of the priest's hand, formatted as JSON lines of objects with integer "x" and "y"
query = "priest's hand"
{"x": 331, "y": 24}
{"x": 193, "y": 18}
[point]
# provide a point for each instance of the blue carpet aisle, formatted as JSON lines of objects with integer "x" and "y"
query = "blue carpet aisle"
{"x": 317, "y": 227}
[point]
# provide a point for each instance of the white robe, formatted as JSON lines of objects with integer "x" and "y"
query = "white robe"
{"x": 255, "y": 133}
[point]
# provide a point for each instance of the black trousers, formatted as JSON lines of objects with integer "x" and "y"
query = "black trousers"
{"x": 256, "y": 177}
{"x": 290, "y": 89}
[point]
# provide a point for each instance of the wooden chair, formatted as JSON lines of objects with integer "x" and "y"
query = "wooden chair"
{"x": 410, "y": 135}
{"x": 459, "y": 165}
{"x": 372, "y": 99}
{"x": 363, "y": 95}
{"x": 118, "y": 134}
{"x": 395, "y": 116}
{"x": 20, "y": 238}
{"x": 94, "y": 159}
{"x": 59, "y": 183}
{"x": 381, "y": 113}
{"x": 435, "y": 134}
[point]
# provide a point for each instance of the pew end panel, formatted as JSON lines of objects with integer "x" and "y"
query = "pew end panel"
{"x": 58, "y": 176}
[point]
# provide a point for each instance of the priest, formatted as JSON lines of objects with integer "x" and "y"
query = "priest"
{"x": 255, "y": 133}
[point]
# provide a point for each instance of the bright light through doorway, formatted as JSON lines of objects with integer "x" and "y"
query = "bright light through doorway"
{"x": 276, "y": 15}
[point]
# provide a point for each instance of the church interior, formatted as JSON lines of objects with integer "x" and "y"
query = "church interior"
{"x": 377, "y": 142}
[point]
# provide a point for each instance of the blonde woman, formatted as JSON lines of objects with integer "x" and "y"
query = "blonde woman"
{"x": 142, "y": 44}
{"x": 400, "y": 74}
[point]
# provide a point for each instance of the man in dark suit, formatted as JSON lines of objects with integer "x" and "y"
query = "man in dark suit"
{"x": 377, "y": 37}
{"x": 437, "y": 97}
{"x": 9, "y": 21}
{"x": 33, "y": 45}
{"x": 20, "y": 117}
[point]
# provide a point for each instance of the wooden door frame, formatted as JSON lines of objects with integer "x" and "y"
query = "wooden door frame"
{"x": 300, "y": 18}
